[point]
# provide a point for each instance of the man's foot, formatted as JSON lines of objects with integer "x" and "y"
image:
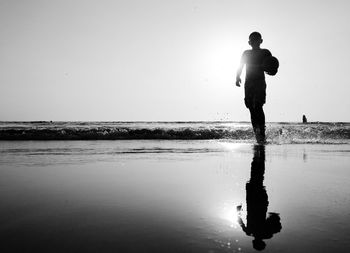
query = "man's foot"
{"x": 260, "y": 135}
{"x": 262, "y": 142}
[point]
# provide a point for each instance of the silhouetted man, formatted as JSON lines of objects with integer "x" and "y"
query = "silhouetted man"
{"x": 304, "y": 119}
{"x": 255, "y": 85}
{"x": 258, "y": 225}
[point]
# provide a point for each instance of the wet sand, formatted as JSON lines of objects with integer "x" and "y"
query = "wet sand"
{"x": 173, "y": 196}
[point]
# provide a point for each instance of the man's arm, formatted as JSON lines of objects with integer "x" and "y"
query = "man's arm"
{"x": 239, "y": 70}
{"x": 244, "y": 228}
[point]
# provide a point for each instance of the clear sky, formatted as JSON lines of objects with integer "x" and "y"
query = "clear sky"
{"x": 170, "y": 60}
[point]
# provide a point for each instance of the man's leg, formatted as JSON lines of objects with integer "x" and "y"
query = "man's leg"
{"x": 257, "y": 117}
{"x": 254, "y": 116}
{"x": 260, "y": 122}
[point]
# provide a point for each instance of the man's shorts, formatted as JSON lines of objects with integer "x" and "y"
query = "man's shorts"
{"x": 255, "y": 93}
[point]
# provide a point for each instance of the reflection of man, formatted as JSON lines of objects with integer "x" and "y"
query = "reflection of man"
{"x": 258, "y": 225}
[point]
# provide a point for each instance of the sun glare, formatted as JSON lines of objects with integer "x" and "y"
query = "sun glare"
{"x": 219, "y": 58}
{"x": 231, "y": 213}
{"x": 231, "y": 146}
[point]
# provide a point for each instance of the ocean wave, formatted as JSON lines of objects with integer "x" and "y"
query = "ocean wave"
{"x": 122, "y": 134}
{"x": 276, "y": 132}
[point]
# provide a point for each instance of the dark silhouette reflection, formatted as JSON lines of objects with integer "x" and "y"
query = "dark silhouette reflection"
{"x": 259, "y": 225}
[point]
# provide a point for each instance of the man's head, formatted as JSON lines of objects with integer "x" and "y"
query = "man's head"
{"x": 255, "y": 40}
{"x": 259, "y": 244}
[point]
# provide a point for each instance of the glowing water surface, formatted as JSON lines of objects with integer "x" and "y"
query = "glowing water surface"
{"x": 172, "y": 196}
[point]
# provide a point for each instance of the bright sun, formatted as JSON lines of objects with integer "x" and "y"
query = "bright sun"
{"x": 219, "y": 58}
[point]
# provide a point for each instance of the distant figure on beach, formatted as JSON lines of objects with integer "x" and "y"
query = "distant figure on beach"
{"x": 255, "y": 85}
{"x": 258, "y": 225}
{"x": 304, "y": 119}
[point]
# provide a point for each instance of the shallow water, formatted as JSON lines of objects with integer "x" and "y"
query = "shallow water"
{"x": 172, "y": 196}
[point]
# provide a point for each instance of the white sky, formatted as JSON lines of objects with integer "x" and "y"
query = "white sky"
{"x": 170, "y": 60}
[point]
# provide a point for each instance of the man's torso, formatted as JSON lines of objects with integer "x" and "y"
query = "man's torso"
{"x": 253, "y": 60}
